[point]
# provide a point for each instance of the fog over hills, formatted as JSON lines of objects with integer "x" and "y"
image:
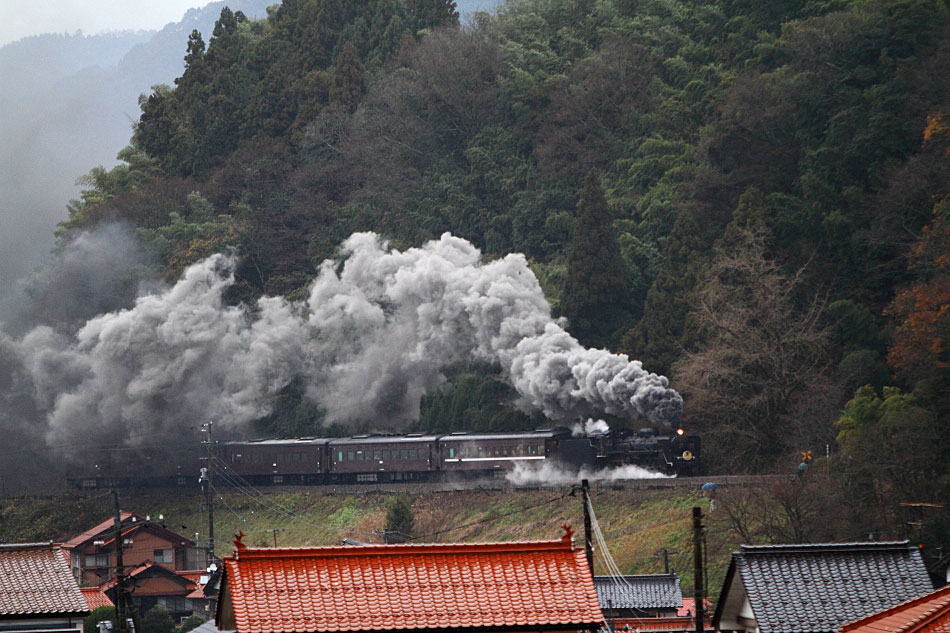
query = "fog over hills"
{"x": 68, "y": 104}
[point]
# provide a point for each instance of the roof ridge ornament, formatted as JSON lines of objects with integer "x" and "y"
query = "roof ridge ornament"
{"x": 568, "y": 537}
{"x": 239, "y": 546}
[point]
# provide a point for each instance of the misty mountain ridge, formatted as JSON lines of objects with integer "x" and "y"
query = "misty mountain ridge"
{"x": 68, "y": 104}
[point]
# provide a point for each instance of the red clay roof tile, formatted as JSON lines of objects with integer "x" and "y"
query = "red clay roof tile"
{"x": 79, "y": 539}
{"x": 36, "y": 579}
{"x": 411, "y": 586}
{"x": 95, "y": 598}
{"x": 929, "y": 613}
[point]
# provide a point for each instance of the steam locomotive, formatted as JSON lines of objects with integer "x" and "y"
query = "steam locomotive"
{"x": 412, "y": 457}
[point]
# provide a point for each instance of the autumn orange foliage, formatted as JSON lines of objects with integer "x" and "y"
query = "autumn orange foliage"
{"x": 923, "y": 310}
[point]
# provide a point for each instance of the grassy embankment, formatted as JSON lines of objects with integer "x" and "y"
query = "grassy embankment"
{"x": 635, "y": 524}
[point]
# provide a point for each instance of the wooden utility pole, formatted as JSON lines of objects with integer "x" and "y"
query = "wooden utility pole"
{"x": 588, "y": 544}
{"x": 123, "y": 603}
{"x": 205, "y": 480}
{"x": 698, "y": 593}
{"x": 665, "y": 554}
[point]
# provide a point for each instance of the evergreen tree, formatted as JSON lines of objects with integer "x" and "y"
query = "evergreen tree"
{"x": 347, "y": 84}
{"x": 429, "y": 14}
{"x": 596, "y": 288}
{"x": 158, "y": 620}
{"x": 91, "y": 623}
{"x": 399, "y": 521}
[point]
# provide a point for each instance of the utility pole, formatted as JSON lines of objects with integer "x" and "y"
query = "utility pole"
{"x": 665, "y": 553}
{"x": 588, "y": 544}
{"x": 205, "y": 481}
{"x": 698, "y": 593}
{"x": 123, "y": 608}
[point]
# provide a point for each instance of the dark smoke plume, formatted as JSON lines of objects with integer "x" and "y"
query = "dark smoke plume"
{"x": 371, "y": 340}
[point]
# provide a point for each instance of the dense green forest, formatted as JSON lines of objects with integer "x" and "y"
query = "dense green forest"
{"x": 747, "y": 196}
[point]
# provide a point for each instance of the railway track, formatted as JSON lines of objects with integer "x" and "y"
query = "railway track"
{"x": 503, "y": 486}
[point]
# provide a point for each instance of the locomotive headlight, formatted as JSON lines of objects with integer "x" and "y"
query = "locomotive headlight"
{"x": 687, "y": 456}
{"x": 680, "y": 431}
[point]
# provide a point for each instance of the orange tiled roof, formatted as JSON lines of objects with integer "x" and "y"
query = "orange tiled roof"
{"x": 95, "y": 598}
{"x": 36, "y": 579}
{"x": 131, "y": 523}
{"x": 79, "y": 539}
{"x": 649, "y": 625}
{"x": 542, "y": 584}
{"x": 929, "y": 613}
{"x": 689, "y": 608}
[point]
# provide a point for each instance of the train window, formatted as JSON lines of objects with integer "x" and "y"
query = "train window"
{"x": 377, "y": 455}
{"x": 451, "y": 453}
{"x": 350, "y": 456}
{"x": 359, "y": 456}
{"x": 412, "y": 453}
{"x": 339, "y": 456}
{"x": 481, "y": 449}
{"x": 404, "y": 454}
{"x": 385, "y": 456}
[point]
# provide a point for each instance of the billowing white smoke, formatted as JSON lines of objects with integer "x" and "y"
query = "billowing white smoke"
{"x": 589, "y": 427}
{"x": 553, "y": 474}
{"x": 173, "y": 360}
{"x": 372, "y": 338}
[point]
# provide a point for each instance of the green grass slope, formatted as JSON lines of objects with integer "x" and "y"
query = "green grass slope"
{"x": 635, "y": 524}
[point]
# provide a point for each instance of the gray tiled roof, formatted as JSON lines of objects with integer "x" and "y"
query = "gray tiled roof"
{"x": 813, "y": 588}
{"x": 209, "y": 627}
{"x": 646, "y": 591}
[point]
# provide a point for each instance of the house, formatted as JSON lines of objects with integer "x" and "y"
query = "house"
{"x": 532, "y": 586}
{"x": 816, "y": 588}
{"x": 639, "y": 596}
{"x": 38, "y": 593}
{"x": 92, "y": 553}
{"x": 929, "y": 613}
{"x": 646, "y": 603}
{"x": 151, "y": 584}
{"x": 204, "y": 597}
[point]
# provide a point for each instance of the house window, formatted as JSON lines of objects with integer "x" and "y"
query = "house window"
{"x": 97, "y": 560}
{"x": 163, "y": 555}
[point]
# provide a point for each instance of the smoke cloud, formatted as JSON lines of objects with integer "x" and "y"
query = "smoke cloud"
{"x": 589, "y": 427}
{"x": 373, "y": 337}
{"x": 552, "y": 475}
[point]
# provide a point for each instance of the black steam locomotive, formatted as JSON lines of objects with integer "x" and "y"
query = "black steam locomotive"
{"x": 413, "y": 457}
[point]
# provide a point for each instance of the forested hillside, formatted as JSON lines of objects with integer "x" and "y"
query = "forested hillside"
{"x": 747, "y": 196}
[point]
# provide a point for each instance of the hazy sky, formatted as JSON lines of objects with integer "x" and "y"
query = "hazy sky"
{"x": 19, "y": 19}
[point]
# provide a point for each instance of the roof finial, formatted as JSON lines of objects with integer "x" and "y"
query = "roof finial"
{"x": 238, "y": 545}
{"x": 568, "y": 537}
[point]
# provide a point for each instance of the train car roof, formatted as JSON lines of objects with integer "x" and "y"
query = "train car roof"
{"x": 384, "y": 439}
{"x": 307, "y": 441}
{"x": 477, "y": 437}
